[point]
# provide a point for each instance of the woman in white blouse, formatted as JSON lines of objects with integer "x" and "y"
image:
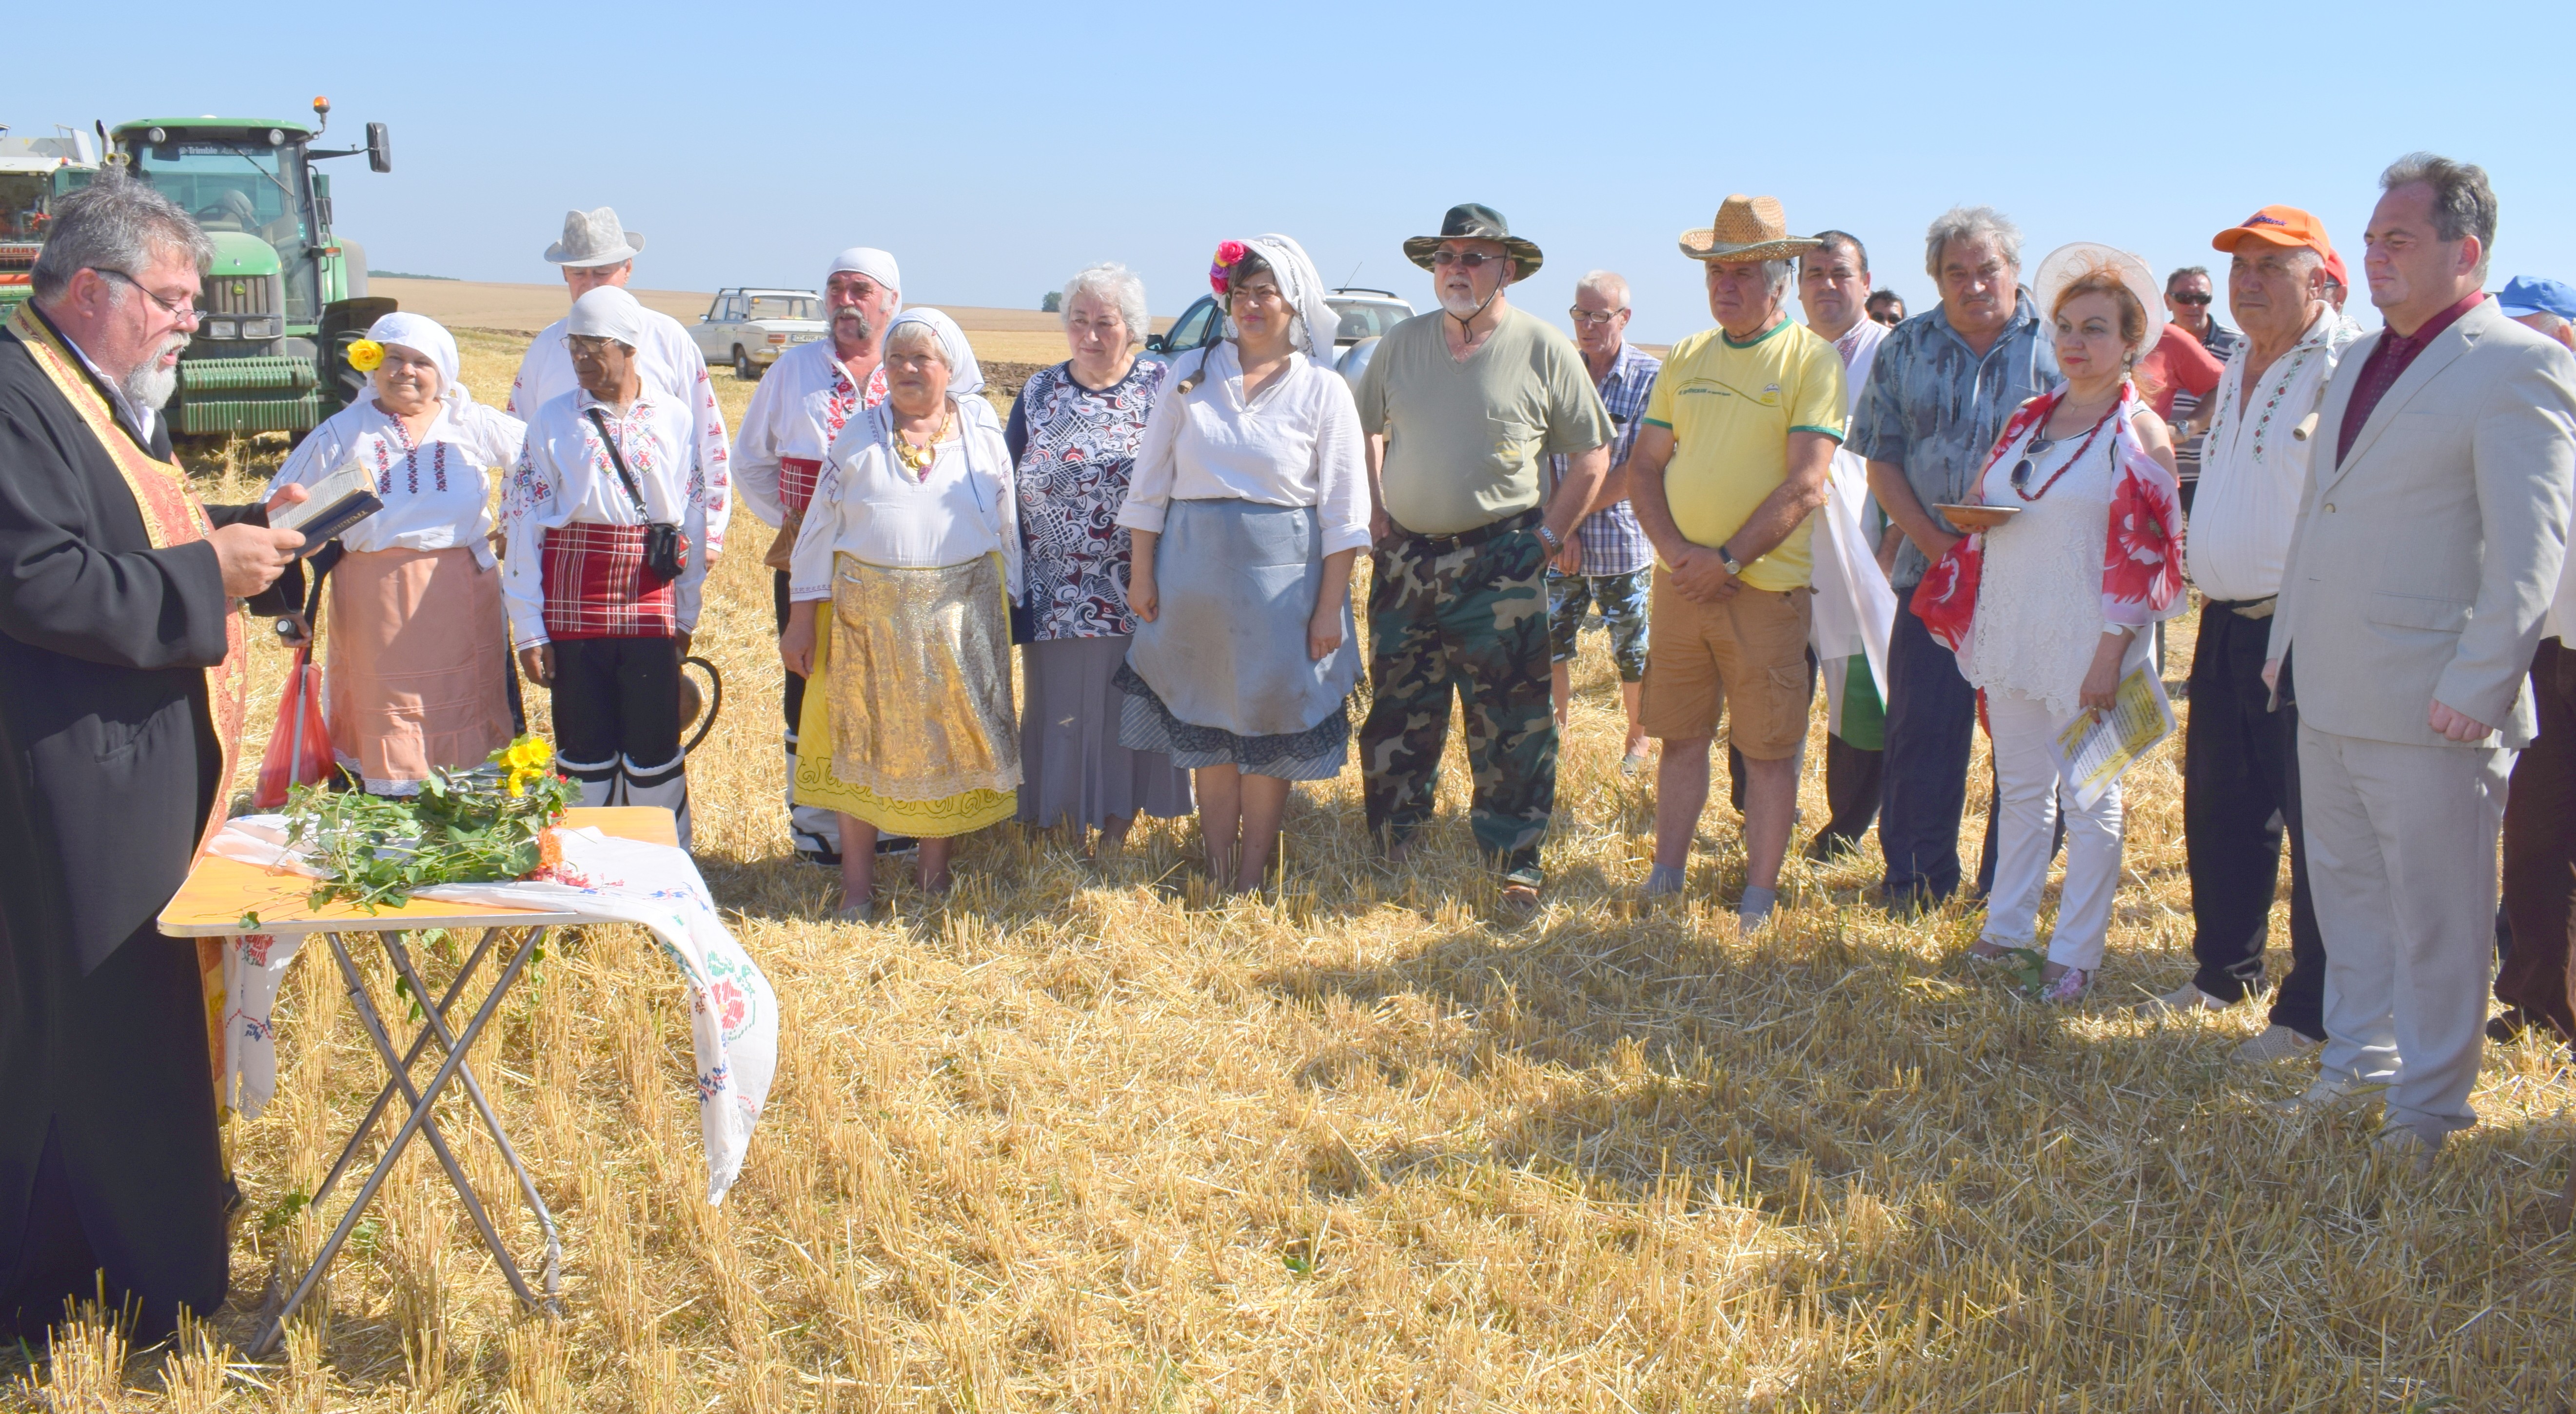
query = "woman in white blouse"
{"x": 2047, "y": 610}
{"x": 419, "y": 648}
{"x": 1248, "y": 506}
{"x": 913, "y": 540}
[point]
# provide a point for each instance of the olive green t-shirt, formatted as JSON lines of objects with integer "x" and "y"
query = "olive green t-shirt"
{"x": 1467, "y": 443}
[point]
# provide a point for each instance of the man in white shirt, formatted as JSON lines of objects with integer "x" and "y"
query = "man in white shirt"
{"x": 778, "y": 452}
{"x": 2240, "y": 755}
{"x": 1833, "y": 290}
{"x": 596, "y": 250}
{"x": 600, "y": 614}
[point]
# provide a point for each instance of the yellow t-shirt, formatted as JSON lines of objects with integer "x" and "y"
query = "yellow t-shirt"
{"x": 1731, "y": 408}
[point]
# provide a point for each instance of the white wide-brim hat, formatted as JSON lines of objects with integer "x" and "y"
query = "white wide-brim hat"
{"x": 594, "y": 238}
{"x": 2069, "y": 263}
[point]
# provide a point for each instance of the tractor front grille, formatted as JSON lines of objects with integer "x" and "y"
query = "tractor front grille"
{"x": 245, "y": 295}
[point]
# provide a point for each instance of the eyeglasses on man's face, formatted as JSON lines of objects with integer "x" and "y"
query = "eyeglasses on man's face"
{"x": 180, "y": 307}
{"x": 1595, "y": 316}
{"x": 1472, "y": 259}
{"x": 2190, "y": 297}
{"x": 590, "y": 348}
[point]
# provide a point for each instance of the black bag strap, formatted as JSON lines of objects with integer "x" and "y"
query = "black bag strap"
{"x": 615, "y": 459}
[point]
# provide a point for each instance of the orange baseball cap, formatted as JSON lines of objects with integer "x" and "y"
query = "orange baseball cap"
{"x": 2277, "y": 225}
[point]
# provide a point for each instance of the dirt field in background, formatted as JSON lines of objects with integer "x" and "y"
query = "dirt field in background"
{"x": 1010, "y": 335}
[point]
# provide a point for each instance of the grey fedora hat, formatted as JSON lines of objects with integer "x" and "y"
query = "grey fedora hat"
{"x": 594, "y": 238}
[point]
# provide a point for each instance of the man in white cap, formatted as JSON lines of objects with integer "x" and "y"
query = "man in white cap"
{"x": 597, "y": 251}
{"x": 778, "y": 452}
{"x": 612, "y": 523}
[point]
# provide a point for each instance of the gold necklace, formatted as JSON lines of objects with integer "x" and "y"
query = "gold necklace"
{"x": 917, "y": 458}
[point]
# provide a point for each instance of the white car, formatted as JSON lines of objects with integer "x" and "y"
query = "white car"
{"x": 750, "y": 328}
{"x": 1365, "y": 315}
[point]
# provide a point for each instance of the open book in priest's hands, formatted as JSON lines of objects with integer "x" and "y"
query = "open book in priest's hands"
{"x": 333, "y": 504}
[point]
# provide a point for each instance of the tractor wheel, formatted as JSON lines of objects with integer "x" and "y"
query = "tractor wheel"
{"x": 743, "y": 368}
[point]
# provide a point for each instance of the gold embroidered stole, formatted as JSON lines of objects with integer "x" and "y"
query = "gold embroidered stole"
{"x": 171, "y": 517}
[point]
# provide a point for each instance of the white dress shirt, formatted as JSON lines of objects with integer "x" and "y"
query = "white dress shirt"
{"x": 801, "y": 405}
{"x": 2254, "y": 464}
{"x": 1859, "y": 349}
{"x": 872, "y": 507}
{"x": 1297, "y": 443}
{"x": 564, "y": 476}
{"x": 669, "y": 360}
{"x": 437, "y": 493}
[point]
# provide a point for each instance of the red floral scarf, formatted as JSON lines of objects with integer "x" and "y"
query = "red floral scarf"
{"x": 2141, "y": 557}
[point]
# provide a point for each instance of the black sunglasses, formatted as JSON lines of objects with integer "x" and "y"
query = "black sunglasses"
{"x": 2190, "y": 299}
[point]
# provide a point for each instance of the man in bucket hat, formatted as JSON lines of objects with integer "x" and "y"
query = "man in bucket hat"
{"x": 1735, "y": 455}
{"x": 597, "y": 250}
{"x": 1462, "y": 407}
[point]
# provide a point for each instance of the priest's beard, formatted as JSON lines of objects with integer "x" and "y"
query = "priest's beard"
{"x": 152, "y": 382}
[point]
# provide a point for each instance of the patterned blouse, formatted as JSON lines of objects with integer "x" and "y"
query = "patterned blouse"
{"x": 1075, "y": 449}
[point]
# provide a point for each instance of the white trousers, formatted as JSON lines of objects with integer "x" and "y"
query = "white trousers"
{"x": 2026, "y": 797}
{"x": 2402, "y": 859}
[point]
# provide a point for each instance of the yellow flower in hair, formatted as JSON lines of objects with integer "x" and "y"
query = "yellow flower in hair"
{"x": 366, "y": 355}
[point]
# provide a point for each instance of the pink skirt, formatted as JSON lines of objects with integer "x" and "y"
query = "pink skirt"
{"x": 418, "y": 665}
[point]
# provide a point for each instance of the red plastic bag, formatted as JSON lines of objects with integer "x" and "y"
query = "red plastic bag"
{"x": 299, "y": 751}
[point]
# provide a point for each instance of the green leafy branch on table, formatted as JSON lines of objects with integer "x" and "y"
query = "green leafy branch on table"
{"x": 479, "y": 826}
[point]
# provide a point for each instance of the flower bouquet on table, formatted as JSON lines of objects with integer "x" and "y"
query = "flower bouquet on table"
{"x": 487, "y": 824}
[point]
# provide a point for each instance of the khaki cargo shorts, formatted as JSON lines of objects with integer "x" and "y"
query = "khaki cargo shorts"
{"x": 1747, "y": 655}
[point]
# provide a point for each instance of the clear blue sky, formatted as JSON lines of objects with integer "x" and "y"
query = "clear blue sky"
{"x": 997, "y": 147}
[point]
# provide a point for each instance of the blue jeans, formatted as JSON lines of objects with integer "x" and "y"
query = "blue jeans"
{"x": 1931, "y": 725}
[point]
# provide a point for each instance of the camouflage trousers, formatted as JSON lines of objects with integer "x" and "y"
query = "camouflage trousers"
{"x": 1473, "y": 618}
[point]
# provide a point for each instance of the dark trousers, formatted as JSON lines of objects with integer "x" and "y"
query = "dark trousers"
{"x": 1855, "y": 779}
{"x": 2540, "y": 852}
{"x": 1470, "y": 619}
{"x": 2239, "y": 802}
{"x": 617, "y": 722}
{"x": 116, "y": 1130}
{"x": 1931, "y": 727}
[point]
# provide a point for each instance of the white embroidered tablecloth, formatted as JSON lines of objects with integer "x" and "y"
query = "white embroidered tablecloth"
{"x": 733, "y": 1014}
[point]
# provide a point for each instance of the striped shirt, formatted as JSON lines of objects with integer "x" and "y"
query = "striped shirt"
{"x": 1612, "y": 541}
{"x": 1934, "y": 407}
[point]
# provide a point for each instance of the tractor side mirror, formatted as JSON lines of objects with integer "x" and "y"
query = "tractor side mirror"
{"x": 380, "y": 149}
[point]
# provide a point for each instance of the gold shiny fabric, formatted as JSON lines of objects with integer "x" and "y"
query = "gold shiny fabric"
{"x": 920, "y": 679}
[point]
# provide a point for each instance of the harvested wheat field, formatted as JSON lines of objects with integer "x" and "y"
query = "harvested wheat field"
{"x": 1082, "y": 1139}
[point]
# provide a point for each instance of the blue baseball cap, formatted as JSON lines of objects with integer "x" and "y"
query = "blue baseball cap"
{"x": 2524, "y": 295}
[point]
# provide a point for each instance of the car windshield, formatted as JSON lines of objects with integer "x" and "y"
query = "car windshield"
{"x": 22, "y": 205}
{"x": 240, "y": 186}
{"x": 1366, "y": 319}
{"x": 781, "y": 307}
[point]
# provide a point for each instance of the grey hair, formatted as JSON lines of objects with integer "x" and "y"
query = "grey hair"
{"x": 1609, "y": 284}
{"x": 116, "y": 223}
{"x": 1778, "y": 274}
{"x": 919, "y": 331}
{"x": 1971, "y": 223}
{"x": 2464, "y": 204}
{"x": 1117, "y": 284}
{"x": 2555, "y": 326}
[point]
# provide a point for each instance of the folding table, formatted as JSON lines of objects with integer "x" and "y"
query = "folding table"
{"x": 220, "y": 892}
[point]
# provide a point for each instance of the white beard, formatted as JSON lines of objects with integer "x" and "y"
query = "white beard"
{"x": 152, "y": 385}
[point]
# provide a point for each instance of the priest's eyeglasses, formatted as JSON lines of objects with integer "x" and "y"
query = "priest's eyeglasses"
{"x": 178, "y": 307}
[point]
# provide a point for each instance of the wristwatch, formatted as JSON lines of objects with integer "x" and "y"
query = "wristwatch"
{"x": 1727, "y": 558}
{"x": 1554, "y": 542}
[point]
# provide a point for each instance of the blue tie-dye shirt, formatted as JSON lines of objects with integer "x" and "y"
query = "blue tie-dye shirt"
{"x": 1934, "y": 407}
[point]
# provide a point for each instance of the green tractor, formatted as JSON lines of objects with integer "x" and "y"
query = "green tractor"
{"x": 285, "y": 296}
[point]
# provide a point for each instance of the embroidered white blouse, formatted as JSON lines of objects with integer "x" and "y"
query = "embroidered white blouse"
{"x": 564, "y": 476}
{"x": 437, "y": 491}
{"x": 1297, "y": 443}
{"x": 799, "y": 409}
{"x": 870, "y": 506}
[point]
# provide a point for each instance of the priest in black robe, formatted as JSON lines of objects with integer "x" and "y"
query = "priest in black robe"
{"x": 118, "y": 631}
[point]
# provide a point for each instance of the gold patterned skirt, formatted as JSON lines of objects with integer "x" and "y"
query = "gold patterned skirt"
{"x": 908, "y": 722}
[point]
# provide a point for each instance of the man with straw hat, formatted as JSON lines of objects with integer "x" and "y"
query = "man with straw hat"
{"x": 596, "y": 250}
{"x": 1735, "y": 455}
{"x": 1462, "y": 408}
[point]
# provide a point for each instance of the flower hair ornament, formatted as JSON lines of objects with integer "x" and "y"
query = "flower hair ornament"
{"x": 1229, "y": 254}
{"x": 366, "y": 355}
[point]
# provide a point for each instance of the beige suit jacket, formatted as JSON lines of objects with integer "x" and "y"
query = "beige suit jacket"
{"x": 2425, "y": 557}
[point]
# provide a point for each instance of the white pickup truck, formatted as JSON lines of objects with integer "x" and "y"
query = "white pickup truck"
{"x": 750, "y": 328}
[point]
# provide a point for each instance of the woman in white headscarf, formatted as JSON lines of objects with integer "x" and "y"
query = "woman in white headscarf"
{"x": 418, "y": 648}
{"x": 912, "y": 540}
{"x": 1247, "y": 508}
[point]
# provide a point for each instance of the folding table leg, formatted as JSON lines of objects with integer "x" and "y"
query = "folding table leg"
{"x": 384, "y": 1097}
{"x": 437, "y": 1026}
{"x": 417, "y": 1120}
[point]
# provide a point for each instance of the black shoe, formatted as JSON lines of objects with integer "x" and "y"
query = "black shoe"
{"x": 2506, "y": 1029}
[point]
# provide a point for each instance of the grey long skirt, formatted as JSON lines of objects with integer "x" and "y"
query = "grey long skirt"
{"x": 1221, "y": 676}
{"x": 1072, "y": 765}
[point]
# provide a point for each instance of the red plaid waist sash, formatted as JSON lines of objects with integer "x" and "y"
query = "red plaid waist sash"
{"x": 596, "y": 586}
{"x": 796, "y": 479}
